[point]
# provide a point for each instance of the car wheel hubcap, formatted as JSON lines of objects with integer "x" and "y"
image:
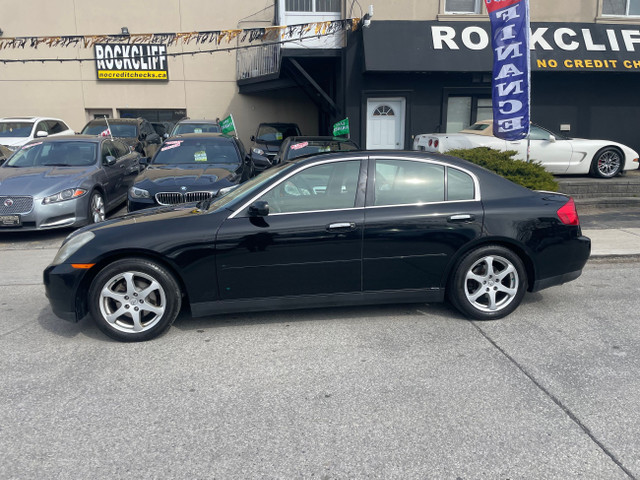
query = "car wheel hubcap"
{"x": 491, "y": 283}
{"x": 97, "y": 209}
{"x": 132, "y": 302}
{"x": 608, "y": 163}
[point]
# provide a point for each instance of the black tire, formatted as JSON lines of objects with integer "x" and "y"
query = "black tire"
{"x": 134, "y": 300}
{"x": 97, "y": 208}
{"x": 488, "y": 283}
{"x": 607, "y": 163}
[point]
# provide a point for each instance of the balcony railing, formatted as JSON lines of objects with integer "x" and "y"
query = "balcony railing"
{"x": 258, "y": 61}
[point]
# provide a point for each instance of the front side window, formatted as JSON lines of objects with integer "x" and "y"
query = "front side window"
{"x": 462, "y": 6}
{"x": 621, "y": 7}
{"x": 330, "y": 186}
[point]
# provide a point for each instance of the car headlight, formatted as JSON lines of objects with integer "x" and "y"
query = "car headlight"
{"x": 68, "y": 194}
{"x": 136, "y": 192}
{"x": 72, "y": 246}
{"x": 258, "y": 151}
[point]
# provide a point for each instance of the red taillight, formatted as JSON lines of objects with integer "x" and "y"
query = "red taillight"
{"x": 430, "y": 141}
{"x": 436, "y": 143}
{"x": 568, "y": 213}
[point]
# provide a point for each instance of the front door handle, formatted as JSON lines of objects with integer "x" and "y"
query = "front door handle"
{"x": 461, "y": 218}
{"x": 341, "y": 226}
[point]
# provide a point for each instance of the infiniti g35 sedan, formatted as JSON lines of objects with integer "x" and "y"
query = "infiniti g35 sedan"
{"x": 344, "y": 228}
{"x": 65, "y": 181}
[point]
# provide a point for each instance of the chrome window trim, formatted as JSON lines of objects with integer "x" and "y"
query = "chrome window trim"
{"x": 294, "y": 172}
{"x": 476, "y": 183}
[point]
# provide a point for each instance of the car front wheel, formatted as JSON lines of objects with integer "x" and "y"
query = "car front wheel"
{"x": 607, "y": 163}
{"x": 134, "y": 300}
{"x": 488, "y": 283}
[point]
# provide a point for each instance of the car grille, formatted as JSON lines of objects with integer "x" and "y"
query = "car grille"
{"x": 172, "y": 198}
{"x": 10, "y": 205}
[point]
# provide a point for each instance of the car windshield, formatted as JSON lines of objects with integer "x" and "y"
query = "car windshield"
{"x": 299, "y": 149}
{"x": 275, "y": 134}
{"x": 58, "y": 154}
{"x": 117, "y": 130}
{"x": 218, "y": 150}
{"x": 183, "y": 128}
{"x": 15, "y": 129}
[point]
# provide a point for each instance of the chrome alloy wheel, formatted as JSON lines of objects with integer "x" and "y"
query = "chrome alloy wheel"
{"x": 96, "y": 207}
{"x": 609, "y": 163}
{"x": 491, "y": 283}
{"x": 132, "y": 302}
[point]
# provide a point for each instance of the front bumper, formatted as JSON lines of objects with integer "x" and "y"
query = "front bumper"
{"x": 62, "y": 284}
{"x": 69, "y": 213}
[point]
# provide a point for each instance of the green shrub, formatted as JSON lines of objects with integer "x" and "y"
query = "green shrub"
{"x": 531, "y": 175}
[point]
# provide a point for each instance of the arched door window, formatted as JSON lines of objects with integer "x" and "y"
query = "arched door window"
{"x": 384, "y": 111}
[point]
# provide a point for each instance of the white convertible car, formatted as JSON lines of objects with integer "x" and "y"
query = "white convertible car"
{"x": 558, "y": 154}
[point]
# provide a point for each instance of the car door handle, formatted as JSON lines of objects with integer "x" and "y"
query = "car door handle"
{"x": 460, "y": 218}
{"x": 341, "y": 226}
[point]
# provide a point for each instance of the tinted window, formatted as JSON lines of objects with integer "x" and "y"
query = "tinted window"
{"x": 121, "y": 149}
{"x": 15, "y": 129}
{"x": 406, "y": 182}
{"x": 276, "y": 133}
{"x": 108, "y": 150}
{"x": 56, "y": 127}
{"x": 322, "y": 187}
{"x": 204, "y": 151}
{"x": 459, "y": 185}
{"x": 63, "y": 154}
{"x": 196, "y": 128}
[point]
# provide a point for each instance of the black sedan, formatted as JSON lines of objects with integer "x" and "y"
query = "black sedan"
{"x": 348, "y": 228}
{"x": 190, "y": 167}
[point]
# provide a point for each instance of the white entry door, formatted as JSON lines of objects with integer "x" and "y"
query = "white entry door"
{"x": 385, "y": 123}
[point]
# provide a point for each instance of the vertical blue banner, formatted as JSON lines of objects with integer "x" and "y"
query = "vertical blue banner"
{"x": 511, "y": 84}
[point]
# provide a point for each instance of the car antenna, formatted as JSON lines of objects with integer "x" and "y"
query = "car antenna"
{"x": 108, "y": 127}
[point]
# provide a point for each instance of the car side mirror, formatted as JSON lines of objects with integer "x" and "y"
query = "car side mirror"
{"x": 552, "y": 138}
{"x": 259, "y": 209}
{"x": 110, "y": 160}
{"x": 261, "y": 161}
{"x": 41, "y": 133}
{"x": 153, "y": 138}
{"x": 253, "y": 138}
{"x": 2, "y": 160}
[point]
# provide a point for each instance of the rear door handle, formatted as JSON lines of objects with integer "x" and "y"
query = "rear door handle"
{"x": 461, "y": 218}
{"x": 341, "y": 226}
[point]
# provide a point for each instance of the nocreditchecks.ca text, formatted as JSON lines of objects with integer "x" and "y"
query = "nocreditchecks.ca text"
{"x": 132, "y": 75}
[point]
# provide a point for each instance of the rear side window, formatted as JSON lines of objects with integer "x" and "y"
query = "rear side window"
{"x": 460, "y": 185}
{"x": 407, "y": 182}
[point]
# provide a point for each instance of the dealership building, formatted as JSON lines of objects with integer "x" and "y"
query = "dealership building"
{"x": 407, "y": 67}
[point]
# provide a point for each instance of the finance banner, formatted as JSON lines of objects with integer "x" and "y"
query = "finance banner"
{"x": 511, "y": 84}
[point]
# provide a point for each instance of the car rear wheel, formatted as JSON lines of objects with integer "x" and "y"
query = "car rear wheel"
{"x": 134, "y": 300}
{"x": 488, "y": 283}
{"x": 607, "y": 163}
{"x": 97, "y": 211}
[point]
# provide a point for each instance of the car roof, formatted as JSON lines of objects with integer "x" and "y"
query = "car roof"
{"x": 114, "y": 121}
{"x": 289, "y": 124}
{"x": 194, "y": 120}
{"x": 67, "y": 138}
{"x": 28, "y": 119}
{"x": 317, "y": 138}
{"x": 195, "y": 136}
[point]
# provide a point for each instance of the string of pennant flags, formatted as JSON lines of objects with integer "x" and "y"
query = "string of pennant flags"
{"x": 242, "y": 36}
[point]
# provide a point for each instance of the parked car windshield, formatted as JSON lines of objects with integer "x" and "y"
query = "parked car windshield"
{"x": 275, "y": 134}
{"x": 58, "y": 154}
{"x": 117, "y": 130}
{"x": 183, "y": 128}
{"x": 300, "y": 149}
{"x": 200, "y": 151}
{"x": 15, "y": 129}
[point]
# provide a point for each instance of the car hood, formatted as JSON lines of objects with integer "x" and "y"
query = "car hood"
{"x": 191, "y": 176}
{"x": 269, "y": 147}
{"x": 13, "y": 141}
{"x": 40, "y": 181}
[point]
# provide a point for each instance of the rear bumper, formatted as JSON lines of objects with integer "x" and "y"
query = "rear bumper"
{"x": 574, "y": 257}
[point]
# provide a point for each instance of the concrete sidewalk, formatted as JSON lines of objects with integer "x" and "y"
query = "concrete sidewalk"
{"x": 614, "y": 241}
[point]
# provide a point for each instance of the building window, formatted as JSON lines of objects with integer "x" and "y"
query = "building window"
{"x": 462, "y": 6}
{"x": 383, "y": 111}
{"x": 465, "y": 110}
{"x": 312, "y": 5}
{"x": 621, "y": 7}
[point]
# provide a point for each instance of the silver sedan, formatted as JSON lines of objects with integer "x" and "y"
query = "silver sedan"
{"x": 65, "y": 181}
